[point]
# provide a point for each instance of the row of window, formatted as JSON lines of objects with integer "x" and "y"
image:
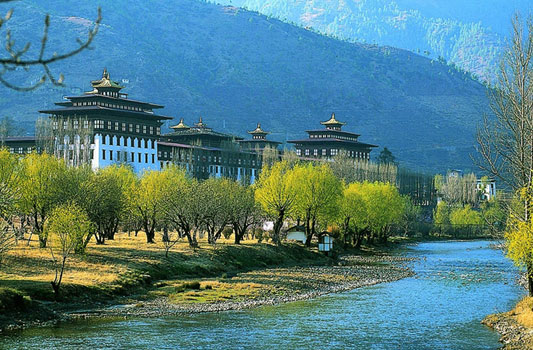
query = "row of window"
{"x": 111, "y": 105}
{"x": 21, "y": 150}
{"x": 116, "y": 126}
{"x": 124, "y": 156}
{"x": 121, "y": 141}
{"x": 183, "y": 156}
{"x": 332, "y": 152}
{"x": 216, "y": 170}
{"x": 328, "y": 136}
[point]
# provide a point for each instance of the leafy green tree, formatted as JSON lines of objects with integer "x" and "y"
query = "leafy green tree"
{"x": 276, "y": 195}
{"x": 318, "y": 192}
{"x": 147, "y": 197}
{"x": 106, "y": 199}
{"x": 353, "y": 214}
{"x": 245, "y": 211}
{"x": 466, "y": 219}
{"x": 441, "y": 216}
{"x": 384, "y": 208}
{"x": 183, "y": 206}
{"x": 410, "y": 215}
{"x": 217, "y": 211}
{"x": 386, "y": 157}
{"x": 42, "y": 189}
{"x": 66, "y": 227}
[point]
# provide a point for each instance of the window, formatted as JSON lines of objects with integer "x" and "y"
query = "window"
{"x": 159, "y": 154}
{"x": 86, "y": 124}
{"x": 139, "y": 157}
{"x": 153, "y": 144}
{"x": 151, "y": 130}
{"x": 116, "y": 125}
{"x": 110, "y": 155}
{"x": 324, "y": 152}
{"x": 132, "y": 157}
{"x": 315, "y": 152}
{"x": 130, "y": 127}
{"x": 103, "y": 139}
{"x": 146, "y": 157}
{"x": 306, "y": 152}
{"x": 333, "y": 151}
{"x": 298, "y": 152}
{"x": 137, "y": 128}
{"x": 144, "y": 129}
{"x": 98, "y": 124}
{"x": 123, "y": 127}
{"x": 109, "y": 124}
{"x": 75, "y": 124}
{"x": 153, "y": 158}
{"x": 65, "y": 125}
{"x": 158, "y": 130}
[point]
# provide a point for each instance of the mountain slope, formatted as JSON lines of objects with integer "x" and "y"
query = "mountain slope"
{"x": 467, "y": 33}
{"x": 237, "y": 68}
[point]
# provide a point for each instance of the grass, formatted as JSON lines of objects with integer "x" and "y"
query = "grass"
{"x": 127, "y": 264}
{"x": 523, "y": 312}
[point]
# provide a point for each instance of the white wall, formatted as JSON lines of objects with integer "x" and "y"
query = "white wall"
{"x": 128, "y": 144}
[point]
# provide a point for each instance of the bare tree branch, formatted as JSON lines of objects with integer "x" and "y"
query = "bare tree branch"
{"x": 16, "y": 58}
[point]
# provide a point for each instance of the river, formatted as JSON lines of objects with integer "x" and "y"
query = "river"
{"x": 456, "y": 285}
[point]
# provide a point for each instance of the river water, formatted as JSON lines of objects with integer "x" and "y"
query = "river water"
{"x": 457, "y": 284}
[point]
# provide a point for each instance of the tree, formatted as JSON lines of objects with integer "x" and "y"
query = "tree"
{"x": 18, "y": 56}
{"x": 317, "y": 195}
{"x": 8, "y": 127}
{"x": 183, "y": 206}
{"x": 276, "y": 195}
{"x": 67, "y": 226}
{"x": 353, "y": 214}
{"x": 215, "y": 194}
{"x": 147, "y": 197}
{"x": 244, "y": 209}
{"x": 386, "y": 157}
{"x": 410, "y": 215}
{"x": 506, "y": 143}
{"x": 42, "y": 187}
{"x": 106, "y": 199}
{"x": 441, "y": 216}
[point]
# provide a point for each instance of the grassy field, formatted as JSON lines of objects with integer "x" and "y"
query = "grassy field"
{"x": 123, "y": 265}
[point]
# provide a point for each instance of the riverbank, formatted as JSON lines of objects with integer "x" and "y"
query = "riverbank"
{"x": 127, "y": 271}
{"x": 262, "y": 287}
{"x": 515, "y": 326}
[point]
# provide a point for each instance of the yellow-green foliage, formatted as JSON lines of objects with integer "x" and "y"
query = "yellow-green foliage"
{"x": 374, "y": 205}
{"x": 519, "y": 235}
{"x": 67, "y": 226}
{"x": 441, "y": 215}
{"x": 465, "y": 216}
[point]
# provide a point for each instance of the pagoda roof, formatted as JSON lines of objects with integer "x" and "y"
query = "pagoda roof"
{"x": 20, "y": 139}
{"x": 332, "y": 121}
{"x": 258, "y": 131}
{"x": 102, "y": 109}
{"x": 105, "y": 82}
{"x": 339, "y": 132}
{"x": 184, "y": 145}
{"x": 259, "y": 141}
{"x": 355, "y": 143}
{"x": 180, "y": 126}
{"x": 95, "y": 95}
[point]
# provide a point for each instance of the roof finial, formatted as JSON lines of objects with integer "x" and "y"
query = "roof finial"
{"x": 105, "y": 75}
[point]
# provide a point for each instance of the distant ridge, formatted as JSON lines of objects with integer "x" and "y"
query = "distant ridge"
{"x": 237, "y": 68}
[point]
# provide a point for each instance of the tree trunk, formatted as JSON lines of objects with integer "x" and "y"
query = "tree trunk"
{"x": 530, "y": 279}
{"x": 165, "y": 234}
{"x": 277, "y": 228}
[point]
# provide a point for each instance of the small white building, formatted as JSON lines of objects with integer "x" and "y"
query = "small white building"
{"x": 296, "y": 233}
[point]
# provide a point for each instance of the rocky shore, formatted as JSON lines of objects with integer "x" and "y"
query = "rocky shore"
{"x": 514, "y": 336}
{"x": 275, "y": 286}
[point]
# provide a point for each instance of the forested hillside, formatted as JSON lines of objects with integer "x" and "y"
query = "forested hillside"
{"x": 237, "y": 68}
{"x": 469, "y": 34}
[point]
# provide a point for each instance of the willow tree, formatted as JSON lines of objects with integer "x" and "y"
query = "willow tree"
{"x": 317, "y": 196}
{"x": 506, "y": 142}
{"x": 275, "y": 193}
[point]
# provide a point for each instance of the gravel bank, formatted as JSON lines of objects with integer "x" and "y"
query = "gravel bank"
{"x": 297, "y": 283}
{"x": 513, "y": 335}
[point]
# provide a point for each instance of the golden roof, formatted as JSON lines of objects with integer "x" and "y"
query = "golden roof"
{"x": 180, "y": 125}
{"x": 200, "y": 124}
{"x": 258, "y": 131}
{"x": 332, "y": 121}
{"x": 105, "y": 82}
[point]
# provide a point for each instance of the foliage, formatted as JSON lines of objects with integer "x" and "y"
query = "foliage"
{"x": 42, "y": 188}
{"x": 147, "y": 197}
{"x": 466, "y": 216}
{"x": 67, "y": 226}
{"x": 458, "y": 190}
{"x": 276, "y": 195}
{"x": 317, "y": 192}
{"x": 386, "y": 157}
